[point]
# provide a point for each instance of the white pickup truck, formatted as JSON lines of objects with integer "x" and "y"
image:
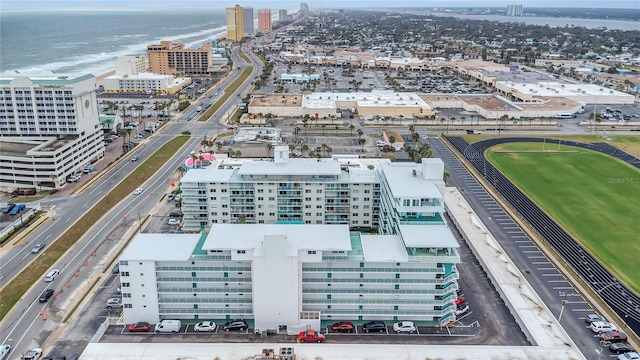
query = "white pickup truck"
{"x": 33, "y": 354}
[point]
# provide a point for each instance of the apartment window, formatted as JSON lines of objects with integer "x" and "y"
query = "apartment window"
{"x": 124, "y": 273}
{"x": 307, "y": 191}
{"x": 241, "y": 252}
{"x": 311, "y": 252}
{"x": 356, "y": 199}
{"x": 318, "y": 206}
{"x": 397, "y": 286}
{"x": 194, "y": 285}
{"x": 128, "y": 306}
{"x": 328, "y": 296}
{"x": 318, "y": 214}
{"x": 355, "y": 207}
{"x": 406, "y": 202}
{"x": 126, "y": 284}
{"x": 319, "y": 191}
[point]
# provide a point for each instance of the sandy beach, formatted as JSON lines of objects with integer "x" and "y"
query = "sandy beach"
{"x": 100, "y": 78}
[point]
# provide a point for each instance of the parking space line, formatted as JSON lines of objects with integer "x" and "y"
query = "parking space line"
{"x": 552, "y": 281}
{"x": 552, "y": 274}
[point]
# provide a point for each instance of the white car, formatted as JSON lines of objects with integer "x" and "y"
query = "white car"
{"x": 114, "y": 303}
{"x": 461, "y": 310}
{"x": 4, "y": 351}
{"x": 404, "y": 326}
{"x": 174, "y": 222}
{"x": 629, "y": 356}
{"x": 138, "y": 191}
{"x": 205, "y": 326}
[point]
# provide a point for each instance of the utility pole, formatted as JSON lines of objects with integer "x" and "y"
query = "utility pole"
{"x": 564, "y": 302}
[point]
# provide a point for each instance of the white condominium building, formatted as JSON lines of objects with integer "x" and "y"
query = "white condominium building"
{"x": 49, "y": 127}
{"x": 287, "y": 275}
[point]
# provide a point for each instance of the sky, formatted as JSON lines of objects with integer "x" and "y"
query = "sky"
{"x": 288, "y": 4}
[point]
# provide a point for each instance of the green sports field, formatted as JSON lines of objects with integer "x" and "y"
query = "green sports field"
{"x": 596, "y": 198}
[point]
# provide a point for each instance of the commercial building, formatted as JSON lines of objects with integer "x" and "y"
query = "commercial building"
{"x": 248, "y": 27}
{"x": 301, "y": 249}
{"x": 174, "y": 59}
{"x": 582, "y": 93}
{"x": 514, "y": 10}
{"x": 264, "y": 20}
{"x": 145, "y": 83}
{"x": 235, "y": 23}
{"x": 282, "y": 16}
{"x": 379, "y": 103}
{"x": 50, "y": 129}
{"x": 304, "y": 8}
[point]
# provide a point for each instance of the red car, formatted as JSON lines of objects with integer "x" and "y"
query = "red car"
{"x": 310, "y": 336}
{"x": 460, "y": 300}
{"x": 343, "y": 326}
{"x": 139, "y": 327}
{"x": 613, "y": 336}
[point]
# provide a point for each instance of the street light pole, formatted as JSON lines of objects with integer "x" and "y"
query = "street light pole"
{"x": 564, "y": 302}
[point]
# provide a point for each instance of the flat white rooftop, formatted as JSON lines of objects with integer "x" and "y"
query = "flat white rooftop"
{"x": 299, "y": 237}
{"x": 208, "y": 174}
{"x": 383, "y": 248}
{"x": 428, "y": 236}
{"x": 404, "y": 185}
{"x": 161, "y": 247}
{"x": 293, "y": 167}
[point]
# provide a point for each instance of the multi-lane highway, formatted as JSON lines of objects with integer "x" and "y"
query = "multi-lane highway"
{"x": 24, "y": 327}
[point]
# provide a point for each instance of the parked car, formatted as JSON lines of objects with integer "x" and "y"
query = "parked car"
{"x": 44, "y": 297}
{"x": 116, "y": 269}
{"x": 138, "y": 191}
{"x": 343, "y": 326}
{"x": 4, "y": 351}
{"x": 620, "y": 347}
{"x": 235, "y": 325}
{"x": 404, "y": 326}
{"x": 460, "y": 300}
{"x": 379, "y": 326}
{"x": 32, "y": 354}
{"x": 8, "y": 208}
{"x": 205, "y": 326}
{"x": 613, "y": 336}
{"x": 170, "y": 197}
{"x": 601, "y": 326}
{"x": 310, "y": 336}
{"x": 174, "y": 221}
{"x": 594, "y": 317}
{"x": 629, "y": 356}
{"x": 462, "y": 309}
{"x": 139, "y": 327}
{"x": 36, "y": 249}
{"x": 114, "y": 303}
{"x": 169, "y": 326}
{"x": 134, "y": 158}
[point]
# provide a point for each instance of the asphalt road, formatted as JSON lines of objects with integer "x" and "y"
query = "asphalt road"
{"x": 24, "y": 328}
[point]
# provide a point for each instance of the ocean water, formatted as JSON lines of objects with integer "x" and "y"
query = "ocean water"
{"x": 80, "y": 42}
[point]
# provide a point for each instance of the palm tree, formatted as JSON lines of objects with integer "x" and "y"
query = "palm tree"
{"x": 351, "y": 127}
{"x": 360, "y": 133}
{"x": 361, "y": 142}
{"x": 296, "y": 131}
{"x": 304, "y": 123}
{"x": 337, "y": 128}
{"x": 304, "y": 148}
{"x": 269, "y": 148}
{"x": 323, "y": 126}
{"x": 194, "y": 157}
{"x": 53, "y": 177}
{"x": 292, "y": 147}
{"x": 445, "y": 177}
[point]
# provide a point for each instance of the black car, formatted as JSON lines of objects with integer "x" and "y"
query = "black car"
{"x": 620, "y": 347}
{"x": 46, "y": 295}
{"x": 236, "y": 325}
{"x": 374, "y": 326}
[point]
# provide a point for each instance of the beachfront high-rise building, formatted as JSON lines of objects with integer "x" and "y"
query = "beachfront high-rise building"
{"x": 304, "y": 8}
{"x": 174, "y": 59}
{"x": 131, "y": 65}
{"x": 264, "y": 20}
{"x": 248, "y": 22}
{"x": 49, "y": 129}
{"x": 514, "y": 10}
{"x": 319, "y": 267}
{"x": 235, "y": 23}
{"x": 282, "y": 16}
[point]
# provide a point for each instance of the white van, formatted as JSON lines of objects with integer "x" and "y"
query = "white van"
{"x": 601, "y": 326}
{"x": 51, "y": 275}
{"x": 169, "y": 326}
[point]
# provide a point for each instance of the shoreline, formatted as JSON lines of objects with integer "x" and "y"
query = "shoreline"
{"x": 100, "y": 78}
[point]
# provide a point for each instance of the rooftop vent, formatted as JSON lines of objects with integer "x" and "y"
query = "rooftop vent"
{"x": 414, "y": 172}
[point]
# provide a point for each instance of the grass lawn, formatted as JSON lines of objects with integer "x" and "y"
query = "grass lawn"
{"x": 594, "y": 197}
{"x": 13, "y": 291}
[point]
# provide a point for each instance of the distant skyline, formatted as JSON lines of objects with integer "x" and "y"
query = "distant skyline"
{"x": 36, "y": 5}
